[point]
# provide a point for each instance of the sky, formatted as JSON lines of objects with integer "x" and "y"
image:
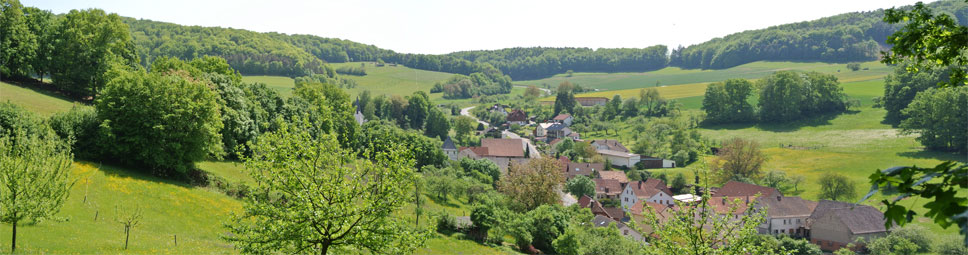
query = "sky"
{"x": 444, "y": 26}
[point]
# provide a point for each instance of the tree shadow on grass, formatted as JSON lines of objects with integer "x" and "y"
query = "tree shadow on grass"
{"x": 120, "y": 171}
{"x": 939, "y": 155}
{"x": 789, "y": 126}
{"x": 42, "y": 88}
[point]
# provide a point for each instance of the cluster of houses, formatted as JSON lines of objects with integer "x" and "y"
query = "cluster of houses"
{"x": 829, "y": 224}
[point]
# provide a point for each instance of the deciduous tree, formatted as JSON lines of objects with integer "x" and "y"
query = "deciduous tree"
{"x": 317, "y": 197}
{"x": 532, "y": 184}
{"x": 581, "y": 186}
{"x": 738, "y": 159}
{"x": 834, "y": 186}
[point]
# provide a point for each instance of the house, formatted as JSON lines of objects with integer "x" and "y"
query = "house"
{"x": 498, "y": 108}
{"x": 573, "y": 169}
{"x": 358, "y": 115}
{"x": 722, "y": 206}
{"x": 641, "y": 209}
{"x": 619, "y": 176}
{"x": 607, "y": 188}
{"x": 785, "y": 215}
{"x": 563, "y": 119}
{"x": 609, "y": 144}
{"x": 650, "y": 190}
{"x": 575, "y": 136}
{"x": 602, "y": 221}
{"x": 551, "y": 130}
{"x": 517, "y": 117}
{"x": 597, "y": 208}
{"x": 450, "y": 149}
{"x": 500, "y": 151}
{"x": 618, "y": 158}
{"x": 653, "y": 162}
{"x": 833, "y": 225}
{"x": 739, "y": 189}
{"x": 591, "y": 101}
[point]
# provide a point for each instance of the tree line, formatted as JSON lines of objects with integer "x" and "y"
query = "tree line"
{"x": 857, "y": 36}
{"x": 782, "y": 96}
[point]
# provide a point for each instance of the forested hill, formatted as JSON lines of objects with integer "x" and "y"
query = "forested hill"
{"x": 847, "y": 37}
{"x": 538, "y": 62}
{"x": 858, "y": 36}
{"x": 277, "y": 54}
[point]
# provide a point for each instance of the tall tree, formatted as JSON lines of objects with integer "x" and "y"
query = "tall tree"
{"x": 34, "y": 178}
{"x": 835, "y": 186}
{"x": 162, "y": 122}
{"x": 463, "y": 126}
{"x": 17, "y": 44}
{"x": 42, "y": 25}
{"x": 901, "y": 86}
{"x": 532, "y": 184}
{"x": 437, "y": 124}
{"x": 738, "y": 159}
{"x": 565, "y": 100}
{"x": 418, "y": 108}
{"x": 726, "y": 102}
{"x": 87, "y": 43}
{"x": 318, "y": 198}
{"x": 940, "y": 118}
{"x": 581, "y": 186}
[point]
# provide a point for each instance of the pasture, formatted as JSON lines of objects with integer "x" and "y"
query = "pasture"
{"x": 393, "y": 80}
{"x": 34, "y": 100}
{"x": 667, "y": 79}
{"x": 280, "y": 84}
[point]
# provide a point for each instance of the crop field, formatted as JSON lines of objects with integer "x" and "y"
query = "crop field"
{"x": 41, "y": 102}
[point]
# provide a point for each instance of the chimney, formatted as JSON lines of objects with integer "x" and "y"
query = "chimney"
{"x": 778, "y": 198}
{"x": 724, "y": 200}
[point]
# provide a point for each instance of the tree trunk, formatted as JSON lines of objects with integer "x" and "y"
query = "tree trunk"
{"x": 323, "y": 248}
{"x": 13, "y": 239}
{"x": 127, "y": 231}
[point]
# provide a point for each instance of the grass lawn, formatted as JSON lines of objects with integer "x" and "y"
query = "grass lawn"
{"x": 393, "y": 80}
{"x": 169, "y": 208}
{"x": 38, "y": 101}
{"x": 280, "y": 84}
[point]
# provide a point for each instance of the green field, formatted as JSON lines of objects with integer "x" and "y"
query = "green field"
{"x": 675, "y": 76}
{"x": 854, "y": 144}
{"x": 41, "y": 102}
{"x": 393, "y": 80}
{"x": 280, "y": 84}
{"x": 170, "y": 208}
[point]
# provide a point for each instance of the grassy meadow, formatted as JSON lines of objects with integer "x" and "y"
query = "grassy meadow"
{"x": 280, "y": 84}
{"x": 34, "y": 100}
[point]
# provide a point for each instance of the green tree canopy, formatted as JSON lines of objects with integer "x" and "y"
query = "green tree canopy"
{"x": 87, "y": 43}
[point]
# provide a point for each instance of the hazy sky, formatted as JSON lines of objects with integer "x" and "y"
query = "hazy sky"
{"x": 442, "y": 26}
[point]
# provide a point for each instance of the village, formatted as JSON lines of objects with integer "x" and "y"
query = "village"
{"x": 621, "y": 202}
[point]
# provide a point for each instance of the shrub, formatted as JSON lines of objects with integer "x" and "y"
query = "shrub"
{"x": 81, "y": 127}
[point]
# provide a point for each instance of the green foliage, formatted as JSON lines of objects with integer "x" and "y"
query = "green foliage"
{"x": 418, "y": 107}
{"x": 902, "y": 86}
{"x": 540, "y": 62}
{"x": 798, "y": 246}
{"x": 378, "y": 136}
{"x": 484, "y": 170}
{"x": 18, "y": 45}
{"x": 463, "y": 126}
{"x": 678, "y": 182}
{"x": 727, "y": 102}
{"x": 950, "y": 246}
{"x": 947, "y": 208}
{"x": 16, "y": 119}
{"x": 853, "y": 66}
{"x": 80, "y": 126}
{"x": 835, "y": 186}
{"x": 349, "y": 70}
{"x": 841, "y": 38}
{"x": 437, "y": 124}
{"x": 788, "y": 95}
{"x": 565, "y": 100}
{"x": 938, "y": 117}
{"x": 87, "y": 43}
{"x": 318, "y": 197}
{"x": 929, "y": 38}
{"x": 532, "y": 184}
{"x": 892, "y": 245}
{"x": 670, "y": 138}
{"x": 580, "y": 186}
{"x": 164, "y": 122}
{"x": 580, "y": 239}
{"x": 328, "y": 108}
{"x": 738, "y": 160}
{"x": 476, "y": 84}
{"x": 34, "y": 177}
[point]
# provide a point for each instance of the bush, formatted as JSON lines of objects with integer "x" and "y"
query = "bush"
{"x": 81, "y": 127}
{"x": 446, "y": 223}
{"x": 14, "y": 118}
{"x": 853, "y": 66}
{"x": 951, "y": 246}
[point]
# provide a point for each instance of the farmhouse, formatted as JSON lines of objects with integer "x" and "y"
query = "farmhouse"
{"x": 607, "y": 188}
{"x": 573, "y": 169}
{"x": 833, "y": 224}
{"x": 517, "y": 117}
{"x": 721, "y": 206}
{"x": 622, "y": 159}
{"x": 591, "y": 101}
{"x": 552, "y": 130}
{"x": 500, "y": 151}
{"x": 651, "y": 190}
{"x": 563, "y": 119}
{"x": 785, "y": 215}
{"x": 602, "y": 221}
{"x": 609, "y": 144}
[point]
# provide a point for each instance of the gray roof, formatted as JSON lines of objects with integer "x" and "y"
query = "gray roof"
{"x": 860, "y": 219}
{"x": 781, "y": 207}
{"x": 556, "y": 127}
{"x": 449, "y": 144}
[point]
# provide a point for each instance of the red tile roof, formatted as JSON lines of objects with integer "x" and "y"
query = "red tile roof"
{"x": 503, "y": 147}
{"x": 562, "y": 116}
{"x": 650, "y": 187}
{"x": 608, "y": 187}
{"x": 517, "y": 115}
